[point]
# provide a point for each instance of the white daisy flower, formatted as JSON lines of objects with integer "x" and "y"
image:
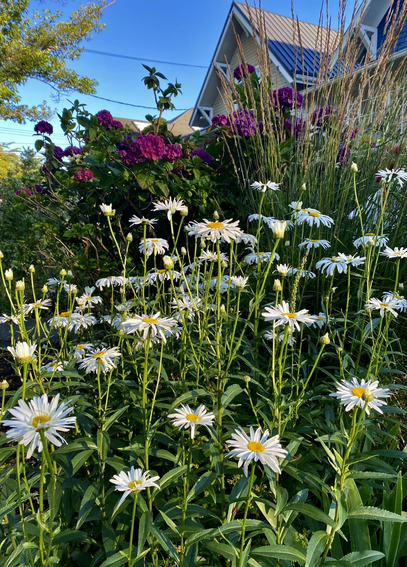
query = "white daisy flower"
{"x": 10, "y": 319}
{"x": 246, "y": 239}
{"x": 162, "y": 275}
{"x": 384, "y": 306}
{"x": 281, "y": 315}
{"x": 314, "y": 243}
{"x": 151, "y": 326}
{"x": 153, "y": 246}
{"x": 352, "y": 260}
{"x": 39, "y": 304}
{"x": 61, "y": 320}
{"x": 107, "y": 210}
{"x": 186, "y": 306}
{"x": 106, "y": 359}
{"x": 185, "y": 417}
{"x": 320, "y": 319}
{"x": 70, "y": 288}
{"x": 132, "y": 482}
{"x": 135, "y": 220}
{"x": 82, "y": 350}
{"x": 39, "y": 415}
{"x": 304, "y": 273}
{"x": 259, "y": 186}
{"x": 208, "y": 256}
{"x": 355, "y": 394}
{"x": 79, "y": 321}
{"x": 313, "y": 218}
{"x": 279, "y": 227}
{"x": 170, "y": 205}
{"x": 379, "y": 240}
{"x": 109, "y": 281}
{"x": 389, "y": 175}
{"x": 239, "y": 282}
{"x": 55, "y": 366}
{"x": 113, "y": 320}
{"x": 283, "y": 269}
{"x": 259, "y": 257}
{"x": 87, "y": 299}
{"x": 256, "y": 447}
{"x": 394, "y": 253}
{"x": 296, "y": 206}
{"x": 329, "y": 265}
{"x": 126, "y": 306}
{"x": 270, "y": 335}
{"x": 214, "y": 230}
{"x": 391, "y": 296}
{"x": 23, "y": 352}
{"x": 52, "y": 282}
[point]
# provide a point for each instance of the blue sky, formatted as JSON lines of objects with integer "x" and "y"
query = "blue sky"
{"x": 181, "y": 31}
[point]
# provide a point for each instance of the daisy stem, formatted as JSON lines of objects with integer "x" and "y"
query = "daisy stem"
{"x": 185, "y": 503}
{"x": 144, "y": 409}
{"x": 51, "y": 471}
{"x": 396, "y": 281}
{"x": 114, "y": 238}
{"x": 25, "y": 372}
{"x": 357, "y": 203}
{"x": 246, "y": 509}
{"x": 309, "y": 378}
{"x": 347, "y": 308}
{"x": 143, "y": 294}
{"x": 133, "y": 518}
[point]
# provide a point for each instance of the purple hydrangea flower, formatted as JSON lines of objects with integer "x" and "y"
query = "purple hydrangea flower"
{"x": 71, "y": 151}
{"x": 286, "y": 97}
{"x": 243, "y": 70}
{"x": 173, "y": 152}
{"x": 83, "y": 175}
{"x": 58, "y": 152}
{"x": 43, "y": 127}
{"x": 117, "y": 124}
{"x": 26, "y": 190}
{"x": 219, "y": 120}
{"x": 205, "y": 157}
{"x": 343, "y": 154}
{"x": 243, "y": 123}
{"x": 296, "y": 127}
{"x": 38, "y": 188}
{"x": 104, "y": 118}
{"x": 320, "y": 115}
{"x": 149, "y": 146}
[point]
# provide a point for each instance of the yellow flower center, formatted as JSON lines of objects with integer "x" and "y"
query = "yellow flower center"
{"x": 334, "y": 259}
{"x": 358, "y": 391}
{"x": 79, "y": 347}
{"x": 370, "y": 234}
{"x": 314, "y": 240}
{"x": 89, "y": 297}
{"x": 255, "y": 447}
{"x": 305, "y": 210}
{"x": 215, "y": 224}
{"x": 64, "y": 314}
{"x": 313, "y": 214}
{"x": 260, "y": 253}
{"x": 397, "y": 253}
{"x": 40, "y": 419}
{"x": 290, "y": 315}
{"x": 97, "y": 354}
{"x": 319, "y": 318}
{"x": 192, "y": 417}
{"x": 154, "y": 240}
{"x": 162, "y": 271}
{"x": 384, "y": 304}
{"x": 135, "y": 484}
{"x": 53, "y": 364}
{"x": 149, "y": 320}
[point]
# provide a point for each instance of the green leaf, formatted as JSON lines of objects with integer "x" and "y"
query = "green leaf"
{"x": 230, "y": 393}
{"x": 279, "y": 552}
{"x": 372, "y": 513}
{"x": 165, "y": 542}
{"x": 371, "y": 475}
{"x": 359, "y": 529}
{"x": 392, "y": 551}
{"x": 87, "y": 503}
{"x": 67, "y": 536}
{"x": 80, "y": 459}
{"x": 311, "y": 511}
{"x": 202, "y": 484}
{"x": 316, "y": 546}
{"x": 115, "y": 560}
{"x": 144, "y": 530}
{"x": 173, "y": 474}
{"x": 113, "y": 418}
{"x": 362, "y": 558}
{"x": 227, "y": 551}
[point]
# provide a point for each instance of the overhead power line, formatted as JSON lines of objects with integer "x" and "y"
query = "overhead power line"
{"x": 144, "y": 59}
{"x": 129, "y": 104}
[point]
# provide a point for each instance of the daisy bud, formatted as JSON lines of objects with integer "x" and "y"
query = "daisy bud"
{"x": 370, "y": 242}
{"x": 246, "y": 379}
{"x": 4, "y": 385}
{"x": 62, "y": 273}
{"x": 168, "y": 263}
{"x": 401, "y": 285}
{"x": 9, "y": 275}
{"x": 183, "y": 251}
{"x": 277, "y": 285}
{"x": 334, "y": 289}
{"x": 222, "y": 308}
{"x": 303, "y": 187}
{"x": 20, "y": 286}
{"x": 224, "y": 264}
{"x": 202, "y": 243}
{"x": 44, "y": 289}
{"x": 107, "y": 210}
{"x": 1, "y": 255}
{"x": 216, "y": 215}
{"x": 184, "y": 211}
{"x": 367, "y": 395}
{"x": 325, "y": 340}
{"x": 31, "y": 269}
{"x": 354, "y": 167}
{"x": 129, "y": 237}
{"x": 69, "y": 273}
{"x": 278, "y": 228}
{"x": 287, "y": 243}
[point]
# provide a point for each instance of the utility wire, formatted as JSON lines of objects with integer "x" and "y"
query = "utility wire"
{"x": 144, "y": 59}
{"x": 128, "y": 103}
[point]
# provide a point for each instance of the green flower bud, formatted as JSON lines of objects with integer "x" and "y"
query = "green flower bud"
{"x": 325, "y": 340}
{"x": 20, "y": 285}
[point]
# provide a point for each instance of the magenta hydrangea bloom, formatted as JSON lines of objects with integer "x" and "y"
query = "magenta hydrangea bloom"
{"x": 58, "y": 152}
{"x": 117, "y": 124}
{"x": 243, "y": 70}
{"x": 173, "y": 152}
{"x": 295, "y": 127}
{"x": 243, "y": 123}
{"x": 220, "y": 120}
{"x": 205, "y": 157}
{"x": 71, "y": 151}
{"x": 149, "y": 146}
{"x": 43, "y": 127}
{"x": 104, "y": 118}
{"x": 83, "y": 175}
{"x": 25, "y": 190}
{"x": 320, "y": 115}
{"x": 287, "y": 97}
